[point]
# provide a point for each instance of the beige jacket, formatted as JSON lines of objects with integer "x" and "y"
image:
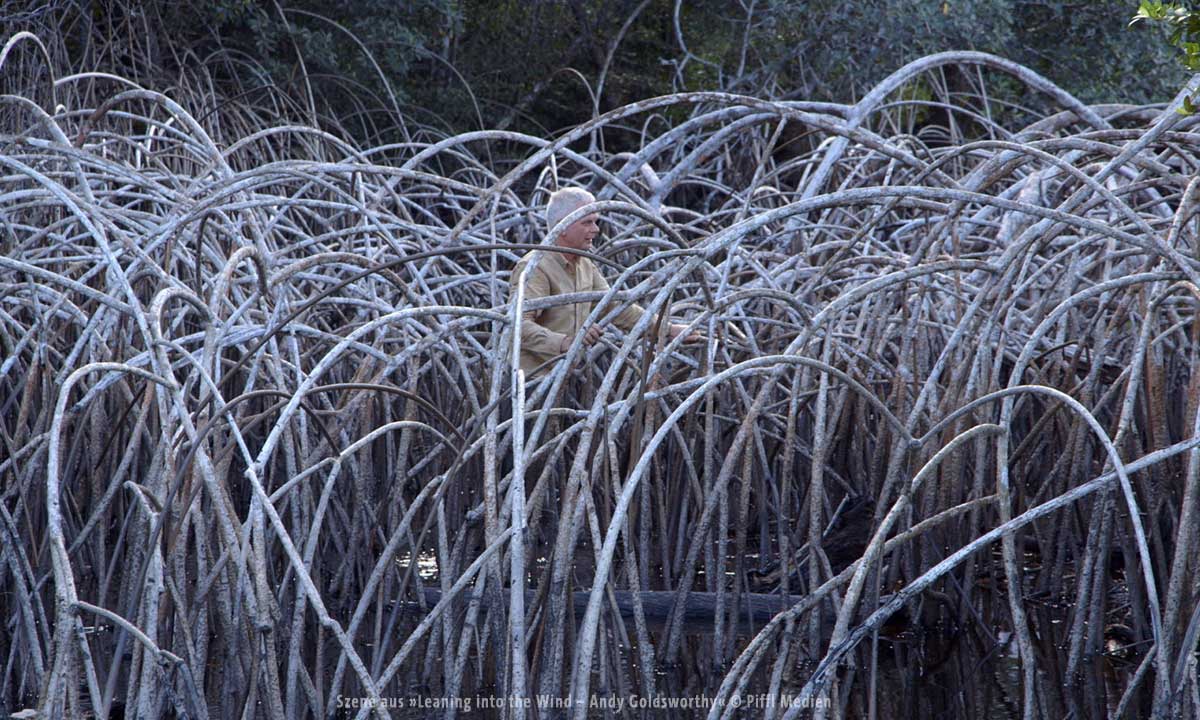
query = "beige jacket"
{"x": 542, "y": 331}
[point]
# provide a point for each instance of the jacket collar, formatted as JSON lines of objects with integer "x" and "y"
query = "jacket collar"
{"x": 558, "y": 258}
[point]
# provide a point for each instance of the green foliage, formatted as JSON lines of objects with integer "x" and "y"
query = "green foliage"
{"x": 1152, "y": 10}
{"x": 537, "y": 67}
{"x": 1184, "y": 24}
{"x": 395, "y": 34}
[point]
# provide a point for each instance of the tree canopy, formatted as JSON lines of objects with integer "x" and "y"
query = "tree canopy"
{"x": 539, "y": 67}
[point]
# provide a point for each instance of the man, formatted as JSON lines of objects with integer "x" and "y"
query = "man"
{"x": 547, "y": 333}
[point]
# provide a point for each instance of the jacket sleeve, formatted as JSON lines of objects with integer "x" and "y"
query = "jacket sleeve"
{"x": 630, "y": 315}
{"x": 535, "y": 337}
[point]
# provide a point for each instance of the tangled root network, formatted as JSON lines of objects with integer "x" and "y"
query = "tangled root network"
{"x": 256, "y": 398}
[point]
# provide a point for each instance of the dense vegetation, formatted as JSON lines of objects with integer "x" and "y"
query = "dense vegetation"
{"x": 541, "y": 67}
{"x": 939, "y": 454}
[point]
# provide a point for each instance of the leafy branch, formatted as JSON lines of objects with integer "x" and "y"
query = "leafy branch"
{"x": 1185, "y": 35}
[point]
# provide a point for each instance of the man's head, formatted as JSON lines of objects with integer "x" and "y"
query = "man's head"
{"x": 579, "y": 234}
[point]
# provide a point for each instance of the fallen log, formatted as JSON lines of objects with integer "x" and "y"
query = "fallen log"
{"x": 754, "y": 610}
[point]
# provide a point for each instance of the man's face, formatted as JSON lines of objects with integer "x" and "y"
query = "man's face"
{"x": 579, "y": 234}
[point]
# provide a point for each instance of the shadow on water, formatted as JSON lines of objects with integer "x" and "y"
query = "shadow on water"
{"x": 924, "y": 663}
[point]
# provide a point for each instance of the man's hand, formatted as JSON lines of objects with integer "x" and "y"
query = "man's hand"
{"x": 590, "y": 336}
{"x": 693, "y": 336}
